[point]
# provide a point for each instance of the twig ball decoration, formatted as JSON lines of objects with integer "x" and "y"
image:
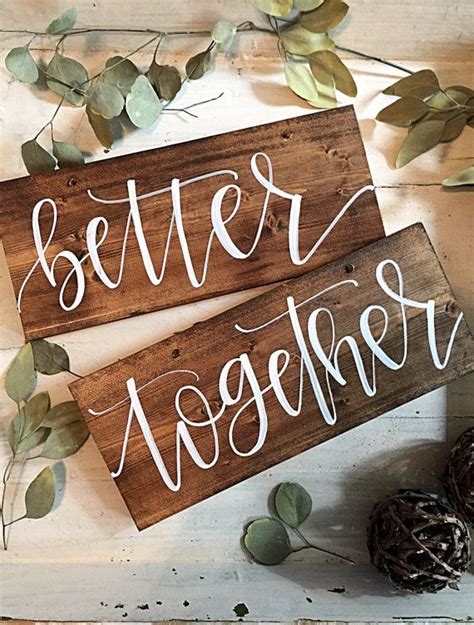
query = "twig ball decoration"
{"x": 458, "y": 477}
{"x": 419, "y": 543}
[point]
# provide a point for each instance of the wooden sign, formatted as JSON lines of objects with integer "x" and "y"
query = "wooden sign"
{"x": 160, "y": 228}
{"x": 262, "y": 382}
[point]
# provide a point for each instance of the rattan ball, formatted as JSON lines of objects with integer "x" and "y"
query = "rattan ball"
{"x": 418, "y": 542}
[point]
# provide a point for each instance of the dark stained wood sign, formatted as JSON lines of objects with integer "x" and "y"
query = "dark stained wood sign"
{"x": 164, "y": 227}
{"x": 215, "y": 404}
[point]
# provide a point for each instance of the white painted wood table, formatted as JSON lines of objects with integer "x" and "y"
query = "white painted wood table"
{"x": 86, "y": 561}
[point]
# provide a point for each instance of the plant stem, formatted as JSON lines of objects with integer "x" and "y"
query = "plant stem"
{"x": 308, "y": 545}
{"x": 6, "y": 475}
{"x": 185, "y": 109}
{"x": 374, "y": 58}
{"x": 51, "y": 120}
{"x": 246, "y": 26}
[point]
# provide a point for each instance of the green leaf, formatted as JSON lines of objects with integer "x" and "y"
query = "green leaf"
{"x": 326, "y": 97}
{"x": 278, "y": 8}
{"x": 21, "y": 64}
{"x": 292, "y": 503}
{"x": 307, "y": 5}
{"x": 300, "y": 80}
{"x": 403, "y": 112}
{"x": 453, "y": 128}
{"x": 440, "y": 101}
{"x": 35, "y": 411}
{"x": 106, "y": 100}
{"x": 65, "y": 441}
{"x": 62, "y": 414}
{"x": 121, "y": 73}
{"x": 32, "y": 440}
{"x": 299, "y": 40}
{"x": 102, "y": 128}
{"x": 464, "y": 177}
{"x": 267, "y": 541}
{"x": 67, "y": 154}
{"x": 165, "y": 79}
{"x": 64, "y": 73}
{"x": 49, "y": 358}
{"x": 27, "y": 422}
{"x": 425, "y": 78}
{"x": 424, "y": 136}
{"x": 62, "y": 23}
{"x": 460, "y": 94}
{"x": 325, "y": 17}
{"x": 37, "y": 160}
{"x": 223, "y": 34}
{"x": 39, "y": 497}
{"x": 329, "y": 70}
{"x": 142, "y": 104}
{"x": 20, "y": 381}
{"x": 198, "y": 65}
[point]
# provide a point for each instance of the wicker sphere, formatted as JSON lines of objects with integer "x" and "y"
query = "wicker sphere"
{"x": 458, "y": 477}
{"x": 419, "y": 543}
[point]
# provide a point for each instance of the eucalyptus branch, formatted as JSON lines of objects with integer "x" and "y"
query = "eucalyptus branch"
{"x": 374, "y": 58}
{"x": 185, "y": 109}
{"x": 308, "y": 545}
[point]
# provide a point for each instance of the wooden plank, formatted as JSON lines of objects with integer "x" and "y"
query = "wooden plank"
{"x": 249, "y": 427}
{"x": 319, "y": 156}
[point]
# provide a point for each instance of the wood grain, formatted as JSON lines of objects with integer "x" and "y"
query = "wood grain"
{"x": 320, "y": 156}
{"x": 206, "y": 347}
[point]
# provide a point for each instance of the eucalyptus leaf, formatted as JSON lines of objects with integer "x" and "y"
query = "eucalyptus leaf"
{"x": 165, "y": 79}
{"x": 267, "y": 541}
{"x": 440, "y": 100}
{"x": 65, "y": 441}
{"x": 405, "y": 86}
{"x": 31, "y": 441}
{"x": 21, "y": 64}
{"x": 293, "y": 503}
{"x": 64, "y": 75}
{"x": 142, "y": 104}
{"x": 67, "y": 154}
{"x": 329, "y": 70}
{"x": 307, "y": 5}
{"x": 326, "y": 97}
{"x": 62, "y": 414}
{"x": 27, "y": 422}
{"x": 279, "y": 8}
{"x": 453, "y": 128}
{"x": 461, "y": 178}
{"x": 299, "y": 40}
{"x": 460, "y": 94}
{"x": 300, "y": 80}
{"x": 325, "y": 17}
{"x": 121, "y": 73}
{"x": 37, "y": 160}
{"x": 223, "y": 34}
{"x": 20, "y": 381}
{"x": 35, "y": 411}
{"x": 106, "y": 100}
{"x": 424, "y": 136}
{"x": 198, "y": 65}
{"x": 102, "y": 128}
{"x": 403, "y": 112}
{"x": 49, "y": 358}
{"x": 62, "y": 23}
{"x": 40, "y": 495}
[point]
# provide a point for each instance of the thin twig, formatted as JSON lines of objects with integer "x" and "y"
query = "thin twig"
{"x": 185, "y": 109}
{"x": 308, "y": 545}
{"x": 374, "y": 58}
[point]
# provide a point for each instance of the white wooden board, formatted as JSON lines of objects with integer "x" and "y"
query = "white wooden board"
{"x": 86, "y": 558}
